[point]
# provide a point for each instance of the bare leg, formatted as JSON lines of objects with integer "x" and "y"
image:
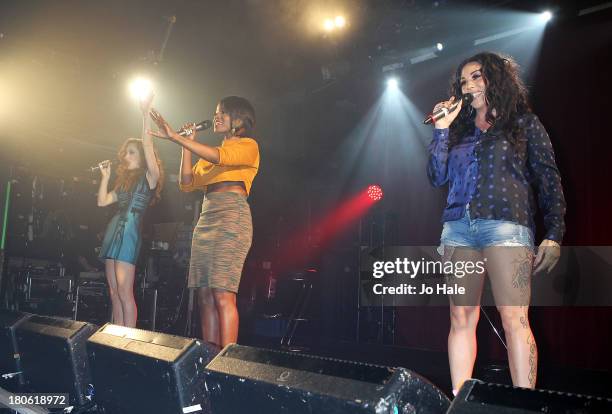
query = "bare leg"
{"x": 225, "y": 302}
{"x": 464, "y": 315}
{"x": 510, "y": 273}
{"x": 125, "y": 286}
{"x": 209, "y": 318}
{"x": 114, "y": 294}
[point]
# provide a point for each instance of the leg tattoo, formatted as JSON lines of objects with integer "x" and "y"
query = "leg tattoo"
{"x": 521, "y": 278}
{"x": 524, "y": 319}
{"x": 533, "y": 362}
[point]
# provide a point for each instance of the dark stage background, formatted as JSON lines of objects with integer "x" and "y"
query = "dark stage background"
{"x": 64, "y": 67}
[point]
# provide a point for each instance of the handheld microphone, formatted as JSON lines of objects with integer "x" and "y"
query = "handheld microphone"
{"x": 97, "y": 167}
{"x": 200, "y": 126}
{"x": 442, "y": 112}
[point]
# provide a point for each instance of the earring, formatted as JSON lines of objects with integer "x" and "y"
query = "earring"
{"x": 237, "y": 128}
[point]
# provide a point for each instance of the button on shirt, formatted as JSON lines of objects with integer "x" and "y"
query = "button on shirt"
{"x": 497, "y": 179}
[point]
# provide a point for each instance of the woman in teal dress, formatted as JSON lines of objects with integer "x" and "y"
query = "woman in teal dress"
{"x": 138, "y": 184}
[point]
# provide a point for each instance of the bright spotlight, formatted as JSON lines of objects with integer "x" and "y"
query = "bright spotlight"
{"x": 339, "y": 21}
{"x": 329, "y": 25}
{"x": 375, "y": 193}
{"x": 439, "y": 46}
{"x": 392, "y": 83}
{"x": 141, "y": 88}
{"x": 545, "y": 16}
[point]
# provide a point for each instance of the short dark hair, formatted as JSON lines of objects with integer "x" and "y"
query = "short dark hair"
{"x": 240, "y": 108}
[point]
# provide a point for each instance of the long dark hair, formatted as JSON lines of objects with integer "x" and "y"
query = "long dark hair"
{"x": 239, "y": 109}
{"x": 126, "y": 178}
{"x": 505, "y": 93}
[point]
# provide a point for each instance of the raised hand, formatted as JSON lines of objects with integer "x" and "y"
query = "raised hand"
{"x": 105, "y": 168}
{"x": 190, "y": 128}
{"x": 445, "y": 122}
{"x": 145, "y": 104}
{"x": 165, "y": 130}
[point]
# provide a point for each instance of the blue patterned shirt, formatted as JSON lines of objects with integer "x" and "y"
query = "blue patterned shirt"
{"x": 500, "y": 181}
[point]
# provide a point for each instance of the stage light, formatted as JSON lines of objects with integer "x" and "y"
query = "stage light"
{"x": 375, "y": 193}
{"x": 392, "y": 83}
{"x": 141, "y": 88}
{"x": 336, "y": 23}
{"x": 545, "y": 16}
{"x": 439, "y": 46}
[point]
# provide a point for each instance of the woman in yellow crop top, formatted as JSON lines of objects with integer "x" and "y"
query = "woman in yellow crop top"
{"x": 223, "y": 235}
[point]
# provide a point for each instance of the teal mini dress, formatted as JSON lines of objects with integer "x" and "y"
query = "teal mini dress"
{"x": 123, "y": 238}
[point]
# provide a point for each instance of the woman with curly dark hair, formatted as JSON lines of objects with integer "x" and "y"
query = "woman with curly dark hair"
{"x": 138, "y": 185}
{"x": 497, "y": 159}
{"x": 222, "y": 237}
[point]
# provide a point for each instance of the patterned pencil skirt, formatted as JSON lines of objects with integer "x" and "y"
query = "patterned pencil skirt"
{"x": 221, "y": 240}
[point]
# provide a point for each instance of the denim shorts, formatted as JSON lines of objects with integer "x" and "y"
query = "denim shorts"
{"x": 481, "y": 233}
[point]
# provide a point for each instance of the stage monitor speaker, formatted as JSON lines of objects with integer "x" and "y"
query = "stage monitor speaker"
{"x": 269, "y": 381}
{"x": 477, "y": 397}
{"x": 10, "y": 361}
{"x": 136, "y": 371}
{"x": 53, "y": 356}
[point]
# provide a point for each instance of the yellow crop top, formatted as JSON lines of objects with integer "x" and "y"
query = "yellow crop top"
{"x": 238, "y": 161}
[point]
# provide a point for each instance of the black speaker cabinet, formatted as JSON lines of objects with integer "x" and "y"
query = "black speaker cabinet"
{"x": 477, "y": 397}
{"x": 245, "y": 379}
{"x": 53, "y": 356}
{"x": 10, "y": 359}
{"x": 136, "y": 371}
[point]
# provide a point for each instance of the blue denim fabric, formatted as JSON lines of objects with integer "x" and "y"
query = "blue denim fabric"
{"x": 481, "y": 233}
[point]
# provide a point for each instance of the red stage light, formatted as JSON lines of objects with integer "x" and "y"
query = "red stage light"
{"x": 331, "y": 225}
{"x": 375, "y": 192}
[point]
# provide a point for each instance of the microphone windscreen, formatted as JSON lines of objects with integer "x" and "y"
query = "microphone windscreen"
{"x": 467, "y": 98}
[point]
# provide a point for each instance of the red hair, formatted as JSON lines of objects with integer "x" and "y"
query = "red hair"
{"x": 126, "y": 178}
